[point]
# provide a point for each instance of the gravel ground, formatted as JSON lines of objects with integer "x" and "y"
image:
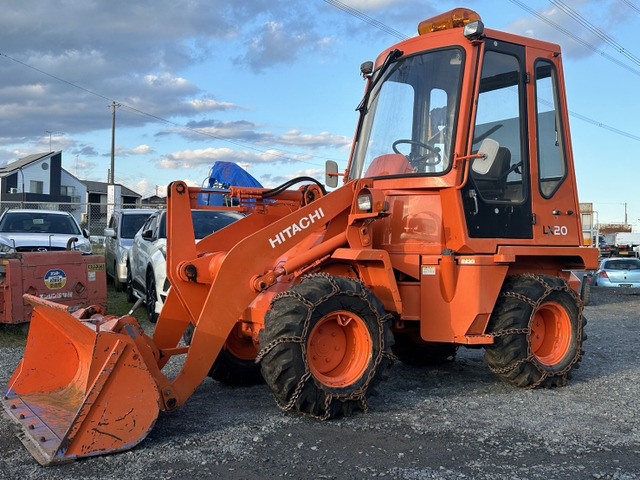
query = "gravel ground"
{"x": 451, "y": 422}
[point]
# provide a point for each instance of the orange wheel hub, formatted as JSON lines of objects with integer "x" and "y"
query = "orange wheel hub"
{"x": 241, "y": 346}
{"x": 551, "y": 334}
{"x": 339, "y": 349}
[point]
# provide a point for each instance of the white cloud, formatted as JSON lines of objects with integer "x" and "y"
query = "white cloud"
{"x": 209, "y": 105}
{"x": 324, "y": 139}
{"x": 364, "y": 5}
{"x": 270, "y": 181}
{"x": 142, "y": 150}
{"x": 190, "y": 159}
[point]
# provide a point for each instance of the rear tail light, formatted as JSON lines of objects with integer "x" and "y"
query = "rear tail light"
{"x": 603, "y": 274}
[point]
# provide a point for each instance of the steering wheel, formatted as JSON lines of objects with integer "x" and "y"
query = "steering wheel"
{"x": 432, "y": 158}
{"x": 513, "y": 168}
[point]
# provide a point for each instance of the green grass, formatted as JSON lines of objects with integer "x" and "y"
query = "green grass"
{"x": 117, "y": 305}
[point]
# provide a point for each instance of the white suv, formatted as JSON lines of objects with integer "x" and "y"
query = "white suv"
{"x": 147, "y": 257}
{"x": 41, "y": 231}
{"x": 123, "y": 225}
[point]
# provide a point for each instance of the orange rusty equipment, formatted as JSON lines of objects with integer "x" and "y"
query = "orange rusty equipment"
{"x": 68, "y": 277}
{"x": 457, "y": 225}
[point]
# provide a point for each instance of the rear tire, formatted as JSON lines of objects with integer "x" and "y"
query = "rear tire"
{"x": 539, "y": 329}
{"x": 325, "y": 346}
{"x": 585, "y": 291}
{"x": 229, "y": 368}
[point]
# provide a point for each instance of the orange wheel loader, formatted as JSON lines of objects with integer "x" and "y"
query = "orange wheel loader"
{"x": 457, "y": 224}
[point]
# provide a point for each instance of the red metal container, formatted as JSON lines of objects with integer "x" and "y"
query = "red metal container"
{"x": 69, "y": 278}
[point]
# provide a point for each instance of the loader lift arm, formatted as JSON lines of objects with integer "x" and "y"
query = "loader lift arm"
{"x": 211, "y": 290}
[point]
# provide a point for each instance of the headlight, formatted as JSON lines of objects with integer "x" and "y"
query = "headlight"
{"x": 6, "y": 249}
{"x": 365, "y": 203}
{"x": 85, "y": 248}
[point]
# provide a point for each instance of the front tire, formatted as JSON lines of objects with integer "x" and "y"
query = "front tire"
{"x": 539, "y": 329}
{"x": 325, "y": 346}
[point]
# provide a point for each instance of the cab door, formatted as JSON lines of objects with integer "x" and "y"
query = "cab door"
{"x": 497, "y": 197}
{"x": 554, "y": 189}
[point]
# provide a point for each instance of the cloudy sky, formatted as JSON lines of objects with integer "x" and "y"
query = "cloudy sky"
{"x": 273, "y": 84}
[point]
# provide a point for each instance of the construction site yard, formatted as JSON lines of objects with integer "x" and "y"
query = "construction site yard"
{"x": 447, "y": 422}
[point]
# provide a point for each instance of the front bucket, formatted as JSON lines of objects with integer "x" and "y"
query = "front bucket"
{"x": 79, "y": 392}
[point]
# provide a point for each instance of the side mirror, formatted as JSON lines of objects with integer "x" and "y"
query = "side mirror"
{"x": 331, "y": 174}
{"x": 482, "y": 165}
{"x": 366, "y": 68}
{"x": 108, "y": 232}
{"x": 147, "y": 234}
{"x": 85, "y": 233}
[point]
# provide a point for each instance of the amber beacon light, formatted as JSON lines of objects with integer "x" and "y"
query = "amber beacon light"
{"x": 458, "y": 17}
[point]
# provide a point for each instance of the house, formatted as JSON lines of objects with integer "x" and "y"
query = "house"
{"x": 155, "y": 201}
{"x": 102, "y": 201}
{"x": 40, "y": 178}
{"x": 97, "y": 192}
{"x": 39, "y": 181}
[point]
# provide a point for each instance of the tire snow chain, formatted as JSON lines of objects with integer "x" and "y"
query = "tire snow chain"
{"x": 358, "y": 395}
{"x": 527, "y": 331}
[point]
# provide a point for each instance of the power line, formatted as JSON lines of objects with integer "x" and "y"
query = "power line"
{"x": 595, "y": 30}
{"x": 632, "y": 5}
{"x": 285, "y": 156}
{"x": 365, "y": 18}
{"x": 572, "y": 35}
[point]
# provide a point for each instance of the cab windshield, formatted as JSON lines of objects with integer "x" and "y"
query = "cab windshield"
{"x": 409, "y": 118}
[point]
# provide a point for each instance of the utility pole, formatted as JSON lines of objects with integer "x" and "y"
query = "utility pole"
{"x": 625, "y": 213}
{"x": 112, "y": 176}
{"x": 50, "y": 132}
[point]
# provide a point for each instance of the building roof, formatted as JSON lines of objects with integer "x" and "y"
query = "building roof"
{"x": 23, "y": 162}
{"x": 101, "y": 187}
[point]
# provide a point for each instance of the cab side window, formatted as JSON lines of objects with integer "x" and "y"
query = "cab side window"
{"x": 500, "y": 178}
{"x": 552, "y": 162}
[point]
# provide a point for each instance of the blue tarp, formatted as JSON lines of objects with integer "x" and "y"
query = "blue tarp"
{"x": 224, "y": 175}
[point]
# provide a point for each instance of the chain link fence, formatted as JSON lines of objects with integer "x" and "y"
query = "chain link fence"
{"x": 91, "y": 216}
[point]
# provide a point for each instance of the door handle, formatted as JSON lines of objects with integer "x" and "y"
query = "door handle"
{"x": 474, "y": 196}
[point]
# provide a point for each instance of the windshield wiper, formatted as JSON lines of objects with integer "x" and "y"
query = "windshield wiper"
{"x": 393, "y": 55}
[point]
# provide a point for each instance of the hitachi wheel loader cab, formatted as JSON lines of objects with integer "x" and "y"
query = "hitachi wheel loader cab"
{"x": 457, "y": 225}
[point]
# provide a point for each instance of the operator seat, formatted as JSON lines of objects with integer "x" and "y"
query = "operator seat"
{"x": 492, "y": 184}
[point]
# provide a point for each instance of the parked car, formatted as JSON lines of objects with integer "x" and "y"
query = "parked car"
{"x": 123, "y": 226}
{"x": 617, "y": 272}
{"x": 147, "y": 257}
{"x": 603, "y": 246}
{"x": 41, "y": 231}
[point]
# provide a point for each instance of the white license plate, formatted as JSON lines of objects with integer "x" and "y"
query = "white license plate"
{"x": 628, "y": 285}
